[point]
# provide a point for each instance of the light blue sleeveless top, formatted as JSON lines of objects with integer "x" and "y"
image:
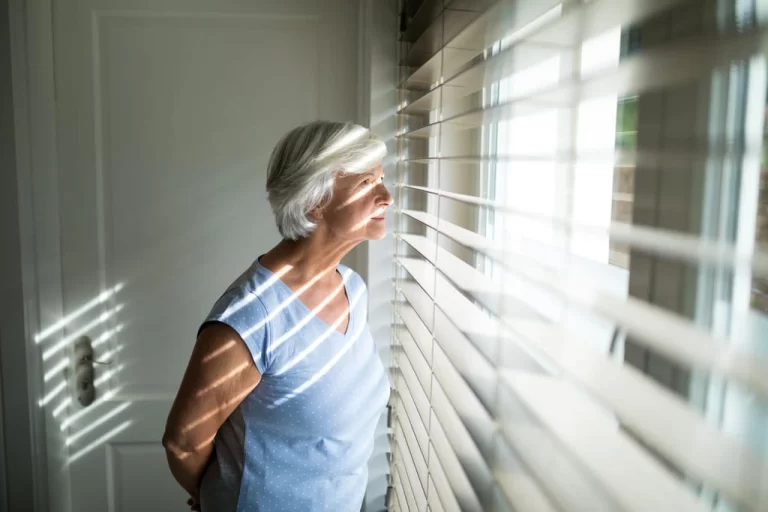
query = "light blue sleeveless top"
{"x": 300, "y": 441}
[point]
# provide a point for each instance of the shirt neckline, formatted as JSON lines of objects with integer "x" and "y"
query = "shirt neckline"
{"x": 307, "y": 310}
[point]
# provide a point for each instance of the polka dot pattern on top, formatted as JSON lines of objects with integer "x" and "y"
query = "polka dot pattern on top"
{"x": 301, "y": 440}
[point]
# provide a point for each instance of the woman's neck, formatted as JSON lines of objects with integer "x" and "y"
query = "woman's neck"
{"x": 310, "y": 259}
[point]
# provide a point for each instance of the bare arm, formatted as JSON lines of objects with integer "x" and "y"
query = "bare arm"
{"x": 220, "y": 374}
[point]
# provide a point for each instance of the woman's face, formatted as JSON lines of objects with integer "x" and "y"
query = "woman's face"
{"x": 357, "y": 209}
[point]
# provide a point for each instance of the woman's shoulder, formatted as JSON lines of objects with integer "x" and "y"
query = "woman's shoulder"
{"x": 248, "y": 295}
{"x": 242, "y": 308}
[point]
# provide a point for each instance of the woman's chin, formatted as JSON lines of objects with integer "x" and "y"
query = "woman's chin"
{"x": 376, "y": 230}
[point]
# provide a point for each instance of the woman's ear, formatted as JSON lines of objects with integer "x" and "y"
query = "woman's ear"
{"x": 316, "y": 213}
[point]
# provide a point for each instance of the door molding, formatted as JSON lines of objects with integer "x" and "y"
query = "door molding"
{"x": 41, "y": 290}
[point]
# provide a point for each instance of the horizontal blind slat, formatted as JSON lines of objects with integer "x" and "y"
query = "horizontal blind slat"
{"x": 474, "y": 370}
{"x": 639, "y": 482}
{"x": 445, "y": 408}
{"x": 409, "y": 410}
{"x": 656, "y": 241}
{"x": 402, "y": 488}
{"x": 666, "y": 158}
{"x": 429, "y": 43}
{"x": 443, "y": 454}
{"x": 670, "y": 334}
{"x": 502, "y": 18}
{"x": 683, "y": 62}
{"x": 408, "y": 436}
{"x": 467, "y": 459}
{"x": 417, "y": 328}
{"x": 511, "y": 20}
{"x": 554, "y": 426}
{"x": 524, "y": 493}
{"x": 420, "y": 365}
{"x": 467, "y": 357}
{"x": 435, "y": 505}
{"x": 470, "y": 320}
{"x": 564, "y": 480}
{"x": 448, "y": 410}
{"x": 417, "y": 496}
{"x": 419, "y": 395}
{"x": 674, "y": 429}
{"x": 427, "y": 13}
{"x": 661, "y": 331}
{"x": 551, "y": 34}
{"x": 441, "y": 486}
{"x": 457, "y": 315}
{"x": 722, "y": 464}
{"x": 419, "y": 299}
{"x": 478, "y": 286}
{"x": 466, "y": 426}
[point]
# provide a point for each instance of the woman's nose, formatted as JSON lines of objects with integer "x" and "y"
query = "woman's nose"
{"x": 385, "y": 198}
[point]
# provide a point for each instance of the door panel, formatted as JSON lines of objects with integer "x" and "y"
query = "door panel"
{"x": 184, "y": 168}
{"x": 166, "y": 112}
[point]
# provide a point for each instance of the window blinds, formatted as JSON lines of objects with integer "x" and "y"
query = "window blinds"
{"x": 578, "y": 256}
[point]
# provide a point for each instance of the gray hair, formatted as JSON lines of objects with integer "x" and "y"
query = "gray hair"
{"x": 304, "y": 165}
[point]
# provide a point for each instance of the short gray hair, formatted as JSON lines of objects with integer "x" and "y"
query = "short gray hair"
{"x": 304, "y": 165}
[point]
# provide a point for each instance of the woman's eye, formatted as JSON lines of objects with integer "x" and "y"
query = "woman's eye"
{"x": 371, "y": 181}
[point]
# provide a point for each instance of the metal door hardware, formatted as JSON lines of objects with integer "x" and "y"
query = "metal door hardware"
{"x": 84, "y": 372}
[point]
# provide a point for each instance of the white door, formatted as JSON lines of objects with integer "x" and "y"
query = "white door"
{"x": 165, "y": 112}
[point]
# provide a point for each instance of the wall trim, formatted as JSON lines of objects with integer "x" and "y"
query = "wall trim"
{"x": 34, "y": 128}
{"x": 364, "y": 38}
{"x": 36, "y": 467}
{"x": 32, "y": 472}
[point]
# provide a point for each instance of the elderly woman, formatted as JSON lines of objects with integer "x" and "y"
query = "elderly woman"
{"x": 282, "y": 393}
